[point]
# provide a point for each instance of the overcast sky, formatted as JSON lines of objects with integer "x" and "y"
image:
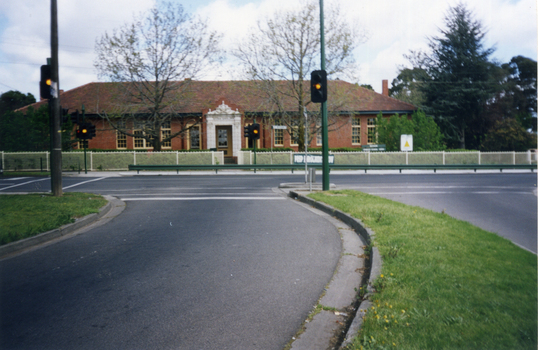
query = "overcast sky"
{"x": 394, "y": 28}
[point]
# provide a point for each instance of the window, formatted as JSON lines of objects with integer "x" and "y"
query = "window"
{"x": 294, "y": 135}
{"x": 279, "y": 137}
{"x": 194, "y": 137}
{"x": 355, "y": 131}
{"x": 165, "y": 132}
{"x": 139, "y": 141}
{"x": 121, "y": 138}
{"x": 371, "y": 131}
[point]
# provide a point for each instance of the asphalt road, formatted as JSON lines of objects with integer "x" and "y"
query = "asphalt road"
{"x": 210, "y": 267}
{"x": 504, "y": 203}
{"x": 213, "y": 261}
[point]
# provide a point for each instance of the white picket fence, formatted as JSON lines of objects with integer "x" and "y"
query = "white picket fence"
{"x": 73, "y": 161}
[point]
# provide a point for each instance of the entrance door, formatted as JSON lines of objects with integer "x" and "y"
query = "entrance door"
{"x": 224, "y": 140}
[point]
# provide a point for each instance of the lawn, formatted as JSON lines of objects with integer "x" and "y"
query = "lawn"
{"x": 445, "y": 283}
{"x": 23, "y": 216}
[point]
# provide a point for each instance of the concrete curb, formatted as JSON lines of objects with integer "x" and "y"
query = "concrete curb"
{"x": 375, "y": 259}
{"x": 23, "y": 244}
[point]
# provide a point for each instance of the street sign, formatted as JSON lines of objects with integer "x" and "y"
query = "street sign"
{"x": 406, "y": 143}
{"x": 374, "y": 148}
{"x": 299, "y": 158}
{"x": 282, "y": 127}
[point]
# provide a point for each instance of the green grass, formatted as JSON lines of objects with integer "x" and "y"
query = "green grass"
{"x": 23, "y": 216}
{"x": 445, "y": 283}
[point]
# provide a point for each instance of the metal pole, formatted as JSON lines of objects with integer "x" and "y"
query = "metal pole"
{"x": 324, "y": 122}
{"x": 84, "y": 142}
{"x": 56, "y": 152}
{"x": 305, "y": 147}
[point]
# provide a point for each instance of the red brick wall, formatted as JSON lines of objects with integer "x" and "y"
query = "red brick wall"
{"x": 339, "y": 135}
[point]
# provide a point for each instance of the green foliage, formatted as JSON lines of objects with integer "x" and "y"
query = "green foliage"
{"x": 406, "y": 86}
{"x": 12, "y": 100}
{"x": 25, "y": 132}
{"x": 23, "y": 216}
{"x": 444, "y": 284}
{"x": 426, "y": 134}
{"x": 508, "y": 135}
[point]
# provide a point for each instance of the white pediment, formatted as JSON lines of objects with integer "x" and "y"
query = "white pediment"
{"x": 223, "y": 109}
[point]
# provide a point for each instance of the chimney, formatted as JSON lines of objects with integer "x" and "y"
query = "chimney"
{"x": 385, "y": 87}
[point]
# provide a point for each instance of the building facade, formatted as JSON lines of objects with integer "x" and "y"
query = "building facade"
{"x": 212, "y": 115}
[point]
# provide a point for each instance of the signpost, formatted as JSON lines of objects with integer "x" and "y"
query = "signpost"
{"x": 406, "y": 143}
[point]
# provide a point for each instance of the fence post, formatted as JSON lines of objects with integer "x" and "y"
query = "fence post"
{"x": 479, "y": 157}
{"x": 514, "y": 158}
{"x": 134, "y": 156}
{"x": 443, "y": 157}
{"x": 177, "y": 157}
{"x": 406, "y": 158}
{"x": 48, "y": 160}
{"x": 369, "y": 157}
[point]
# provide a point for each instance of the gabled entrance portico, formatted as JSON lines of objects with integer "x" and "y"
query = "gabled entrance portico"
{"x": 224, "y": 131}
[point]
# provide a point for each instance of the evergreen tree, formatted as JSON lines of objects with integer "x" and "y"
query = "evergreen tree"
{"x": 459, "y": 79}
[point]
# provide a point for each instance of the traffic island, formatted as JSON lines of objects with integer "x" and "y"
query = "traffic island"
{"x": 336, "y": 318}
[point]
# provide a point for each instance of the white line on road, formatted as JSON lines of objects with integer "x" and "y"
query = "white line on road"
{"x": 84, "y": 182}
{"x": 24, "y": 183}
{"x": 201, "y": 198}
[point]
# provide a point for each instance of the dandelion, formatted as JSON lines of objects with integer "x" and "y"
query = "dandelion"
{"x": 387, "y": 321}
{"x": 377, "y": 317}
{"x": 391, "y": 274}
{"x": 385, "y": 316}
{"x": 403, "y": 311}
{"x": 382, "y": 276}
{"x": 393, "y": 344}
{"x": 390, "y": 306}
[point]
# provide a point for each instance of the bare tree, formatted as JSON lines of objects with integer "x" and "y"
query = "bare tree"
{"x": 153, "y": 61}
{"x": 280, "y": 54}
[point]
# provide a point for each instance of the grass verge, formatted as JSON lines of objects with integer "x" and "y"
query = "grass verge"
{"x": 23, "y": 216}
{"x": 445, "y": 283}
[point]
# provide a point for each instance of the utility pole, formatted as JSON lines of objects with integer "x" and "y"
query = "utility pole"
{"x": 324, "y": 121}
{"x": 56, "y": 151}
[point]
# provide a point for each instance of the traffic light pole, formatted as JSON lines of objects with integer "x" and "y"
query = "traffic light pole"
{"x": 85, "y": 142}
{"x": 324, "y": 121}
{"x": 56, "y": 151}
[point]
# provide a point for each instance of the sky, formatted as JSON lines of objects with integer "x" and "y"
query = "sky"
{"x": 393, "y": 27}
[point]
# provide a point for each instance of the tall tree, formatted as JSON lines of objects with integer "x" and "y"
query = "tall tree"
{"x": 282, "y": 51}
{"x": 459, "y": 78}
{"x": 12, "y": 100}
{"x": 153, "y": 60}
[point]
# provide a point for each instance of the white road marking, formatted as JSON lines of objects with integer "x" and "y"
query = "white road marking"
{"x": 84, "y": 182}
{"x": 24, "y": 183}
{"x": 201, "y": 198}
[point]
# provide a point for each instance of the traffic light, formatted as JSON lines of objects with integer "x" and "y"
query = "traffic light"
{"x": 45, "y": 83}
{"x": 255, "y": 131}
{"x": 83, "y": 131}
{"x": 91, "y": 131}
{"x": 246, "y": 131}
{"x": 318, "y": 87}
{"x": 75, "y": 117}
{"x": 65, "y": 112}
